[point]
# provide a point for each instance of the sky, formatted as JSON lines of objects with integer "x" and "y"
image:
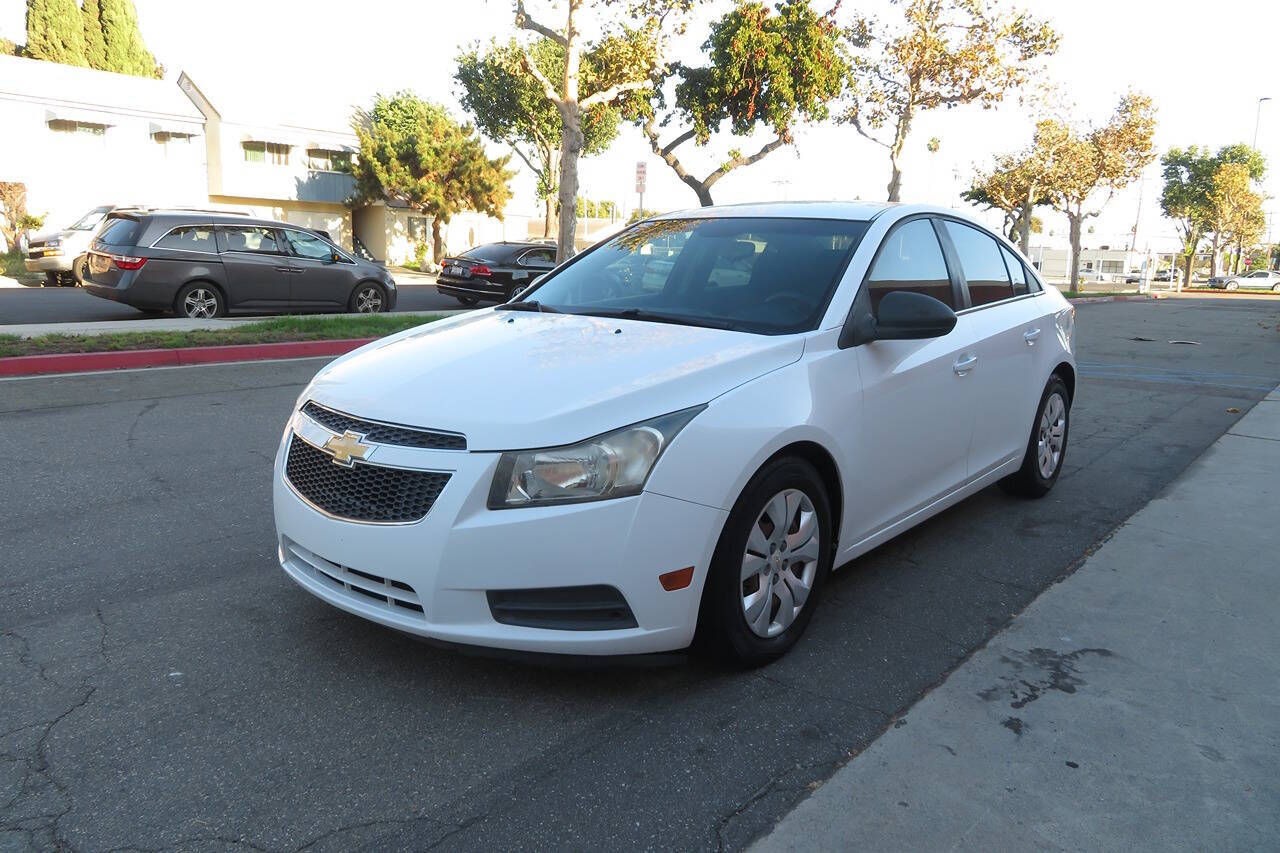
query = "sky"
{"x": 1200, "y": 62}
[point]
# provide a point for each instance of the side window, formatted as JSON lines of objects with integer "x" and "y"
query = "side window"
{"x": 1016, "y": 272}
{"x": 984, "y": 270}
{"x": 306, "y": 245}
{"x": 539, "y": 258}
{"x": 190, "y": 238}
{"x": 248, "y": 238}
{"x": 910, "y": 258}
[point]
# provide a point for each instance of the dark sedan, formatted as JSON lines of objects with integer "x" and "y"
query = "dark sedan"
{"x": 204, "y": 265}
{"x": 492, "y": 272}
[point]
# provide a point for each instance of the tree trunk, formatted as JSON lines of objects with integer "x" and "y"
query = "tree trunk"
{"x": 571, "y": 143}
{"x": 437, "y": 240}
{"x": 1213, "y": 256}
{"x": 704, "y": 195}
{"x": 895, "y": 152}
{"x": 546, "y": 221}
{"x": 1075, "y": 221}
{"x": 1186, "y": 274}
{"x": 1024, "y": 228}
{"x": 895, "y": 177}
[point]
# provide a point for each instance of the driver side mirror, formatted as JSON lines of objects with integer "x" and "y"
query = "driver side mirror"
{"x": 903, "y": 316}
{"x": 335, "y": 258}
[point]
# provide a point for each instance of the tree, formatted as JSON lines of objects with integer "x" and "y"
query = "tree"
{"x": 1188, "y": 182}
{"x": 630, "y": 51}
{"x": 55, "y": 32}
{"x": 1018, "y": 182}
{"x": 412, "y": 151}
{"x": 941, "y": 54}
{"x": 510, "y": 107}
{"x": 14, "y": 218}
{"x": 8, "y": 48}
{"x": 125, "y": 51}
{"x": 95, "y": 43}
{"x": 1236, "y": 209}
{"x": 766, "y": 69}
{"x": 1101, "y": 159}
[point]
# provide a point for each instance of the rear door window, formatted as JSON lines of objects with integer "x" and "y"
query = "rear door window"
{"x": 248, "y": 238}
{"x": 539, "y": 258}
{"x": 119, "y": 232}
{"x": 190, "y": 238}
{"x": 980, "y": 261}
{"x": 911, "y": 259}
{"x": 1017, "y": 273}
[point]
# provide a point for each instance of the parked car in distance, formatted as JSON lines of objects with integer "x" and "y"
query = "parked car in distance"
{"x": 683, "y": 429}
{"x": 205, "y": 265}
{"x": 1164, "y": 275}
{"x": 1256, "y": 280}
{"x": 54, "y": 251}
{"x": 491, "y": 272}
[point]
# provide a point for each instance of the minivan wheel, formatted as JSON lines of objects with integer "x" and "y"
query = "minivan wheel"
{"x": 770, "y": 564}
{"x": 199, "y": 301}
{"x": 368, "y": 299}
{"x": 1047, "y": 446}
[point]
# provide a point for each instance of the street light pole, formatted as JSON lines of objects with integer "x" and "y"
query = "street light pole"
{"x": 1256, "y": 119}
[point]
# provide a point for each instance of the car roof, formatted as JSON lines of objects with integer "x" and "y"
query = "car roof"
{"x": 852, "y": 210}
{"x": 207, "y": 217}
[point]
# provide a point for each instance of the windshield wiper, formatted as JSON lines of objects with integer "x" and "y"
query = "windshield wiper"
{"x": 658, "y": 317}
{"x": 529, "y": 305}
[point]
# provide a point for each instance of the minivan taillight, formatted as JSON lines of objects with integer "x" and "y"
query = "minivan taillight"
{"x": 125, "y": 262}
{"x": 481, "y": 270}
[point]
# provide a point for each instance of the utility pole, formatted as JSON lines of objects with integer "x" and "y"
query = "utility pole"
{"x": 1133, "y": 237}
{"x": 1256, "y": 119}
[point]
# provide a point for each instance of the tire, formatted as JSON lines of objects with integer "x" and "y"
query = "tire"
{"x": 468, "y": 301}
{"x": 726, "y": 626}
{"x": 1231, "y": 285}
{"x": 1275, "y": 288}
{"x": 199, "y": 301}
{"x": 1031, "y": 480}
{"x": 368, "y": 298}
{"x": 52, "y": 279}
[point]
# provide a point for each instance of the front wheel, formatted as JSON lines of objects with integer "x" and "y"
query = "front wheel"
{"x": 769, "y": 566}
{"x": 1231, "y": 285}
{"x": 368, "y": 299}
{"x": 199, "y": 301}
{"x": 1047, "y": 446}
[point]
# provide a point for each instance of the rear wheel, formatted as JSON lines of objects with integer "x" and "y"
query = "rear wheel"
{"x": 1275, "y": 288}
{"x": 1047, "y": 446}
{"x": 1232, "y": 285}
{"x": 368, "y": 298}
{"x": 199, "y": 301}
{"x": 770, "y": 564}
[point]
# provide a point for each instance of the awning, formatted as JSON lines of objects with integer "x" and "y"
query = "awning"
{"x": 332, "y": 145}
{"x": 273, "y": 137}
{"x": 174, "y": 128}
{"x": 79, "y": 115}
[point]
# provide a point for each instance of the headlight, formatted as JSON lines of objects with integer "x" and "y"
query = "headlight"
{"x": 613, "y": 465}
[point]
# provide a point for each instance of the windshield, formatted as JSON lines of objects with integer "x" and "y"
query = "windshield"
{"x": 764, "y": 275}
{"x": 90, "y": 220}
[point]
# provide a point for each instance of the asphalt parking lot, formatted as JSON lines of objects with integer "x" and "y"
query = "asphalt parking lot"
{"x": 167, "y": 687}
{"x": 73, "y": 305}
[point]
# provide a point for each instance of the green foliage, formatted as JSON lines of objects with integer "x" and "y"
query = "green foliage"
{"x": 125, "y": 51}
{"x": 1200, "y": 186}
{"x": 509, "y": 106}
{"x": 8, "y": 48}
{"x": 412, "y": 151}
{"x": 420, "y": 250}
{"x": 95, "y": 43}
{"x": 640, "y": 213}
{"x": 595, "y": 209}
{"x": 55, "y": 32}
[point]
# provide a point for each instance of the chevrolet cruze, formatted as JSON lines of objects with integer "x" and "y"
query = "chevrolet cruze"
{"x": 679, "y": 433}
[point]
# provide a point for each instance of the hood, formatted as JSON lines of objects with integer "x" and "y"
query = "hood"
{"x": 511, "y": 380}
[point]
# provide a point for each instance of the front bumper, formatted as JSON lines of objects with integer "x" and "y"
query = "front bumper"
{"x": 446, "y": 563}
{"x": 49, "y": 263}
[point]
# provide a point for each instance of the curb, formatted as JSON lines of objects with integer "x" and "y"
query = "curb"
{"x": 76, "y": 362}
{"x": 1075, "y": 300}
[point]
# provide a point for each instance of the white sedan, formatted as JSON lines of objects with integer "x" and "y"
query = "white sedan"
{"x": 1257, "y": 280}
{"x": 680, "y": 432}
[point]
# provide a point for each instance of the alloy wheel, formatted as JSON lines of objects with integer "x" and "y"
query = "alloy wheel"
{"x": 780, "y": 563}
{"x": 369, "y": 300}
{"x": 1053, "y": 435}
{"x": 200, "y": 304}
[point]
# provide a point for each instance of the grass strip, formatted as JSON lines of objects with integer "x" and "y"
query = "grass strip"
{"x": 270, "y": 331}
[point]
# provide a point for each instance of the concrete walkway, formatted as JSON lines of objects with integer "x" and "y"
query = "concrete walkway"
{"x": 1133, "y": 706}
{"x": 165, "y": 324}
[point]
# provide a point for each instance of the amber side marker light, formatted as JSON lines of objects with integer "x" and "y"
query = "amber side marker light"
{"x": 678, "y": 579}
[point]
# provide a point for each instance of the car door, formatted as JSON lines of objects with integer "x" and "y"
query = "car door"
{"x": 910, "y": 439}
{"x": 530, "y": 265}
{"x": 1005, "y": 329}
{"x": 256, "y": 266}
{"x": 322, "y": 278}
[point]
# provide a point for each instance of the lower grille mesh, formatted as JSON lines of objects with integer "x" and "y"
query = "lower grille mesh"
{"x": 363, "y": 492}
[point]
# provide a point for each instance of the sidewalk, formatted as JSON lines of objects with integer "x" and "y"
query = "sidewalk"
{"x": 1134, "y": 705}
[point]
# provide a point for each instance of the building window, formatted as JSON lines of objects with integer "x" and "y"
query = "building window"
{"x": 1113, "y": 267}
{"x": 275, "y": 153}
{"x": 59, "y": 125}
{"x": 419, "y": 228}
{"x": 172, "y": 144}
{"x": 328, "y": 160}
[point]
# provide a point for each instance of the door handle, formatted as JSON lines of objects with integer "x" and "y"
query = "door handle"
{"x": 965, "y": 364}
{"x": 284, "y": 269}
{"x": 1031, "y": 336}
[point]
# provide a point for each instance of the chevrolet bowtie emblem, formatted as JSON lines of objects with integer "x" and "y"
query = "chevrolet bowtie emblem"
{"x": 347, "y": 448}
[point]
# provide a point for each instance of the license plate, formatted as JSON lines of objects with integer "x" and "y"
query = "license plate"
{"x": 454, "y": 270}
{"x": 99, "y": 263}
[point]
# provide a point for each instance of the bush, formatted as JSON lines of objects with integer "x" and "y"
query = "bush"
{"x": 420, "y": 250}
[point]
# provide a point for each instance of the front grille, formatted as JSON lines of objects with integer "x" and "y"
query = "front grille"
{"x": 380, "y": 433}
{"x": 364, "y": 587}
{"x": 363, "y": 492}
{"x": 564, "y": 608}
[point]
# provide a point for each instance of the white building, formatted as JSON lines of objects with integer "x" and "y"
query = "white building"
{"x": 78, "y": 138}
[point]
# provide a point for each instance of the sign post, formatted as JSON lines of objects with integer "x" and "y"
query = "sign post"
{"x": 641, "y": 170}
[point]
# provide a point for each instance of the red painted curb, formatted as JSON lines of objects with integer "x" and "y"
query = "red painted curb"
{"x": 75, "y": 362}
{"x": 1129, "y": 297}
